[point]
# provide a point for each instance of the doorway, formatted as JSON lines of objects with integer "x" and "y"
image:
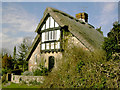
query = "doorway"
{"x": 51, "y": 62}
{"x": 9, "y": 77}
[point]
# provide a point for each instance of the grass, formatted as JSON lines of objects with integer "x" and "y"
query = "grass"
{"x": 14, "y": 85}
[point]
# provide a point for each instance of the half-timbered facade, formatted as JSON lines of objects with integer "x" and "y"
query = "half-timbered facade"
{"x": 54, "y": 27}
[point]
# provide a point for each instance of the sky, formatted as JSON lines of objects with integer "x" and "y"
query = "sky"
{"x": 20, "y": 19}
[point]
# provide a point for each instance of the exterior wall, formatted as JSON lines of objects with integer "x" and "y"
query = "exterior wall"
{"x": 32, "y": 61}
{"x": 26, "y": 79}
{"x": 45, "y": 57}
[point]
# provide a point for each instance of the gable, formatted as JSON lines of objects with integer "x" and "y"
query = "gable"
{"x": 84, "y": 32}
{"x": 49, "y": 23}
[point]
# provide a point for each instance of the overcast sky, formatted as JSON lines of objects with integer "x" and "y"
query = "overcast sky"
{"x": 20, "y": 19}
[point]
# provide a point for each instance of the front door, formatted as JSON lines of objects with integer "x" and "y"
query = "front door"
{"x": 51, "y": 62}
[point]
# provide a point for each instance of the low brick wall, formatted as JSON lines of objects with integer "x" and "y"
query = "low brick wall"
{"x": 26, "y": 79}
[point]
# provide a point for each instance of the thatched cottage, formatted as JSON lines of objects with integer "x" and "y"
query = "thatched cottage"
{"x": 54, "y": 27}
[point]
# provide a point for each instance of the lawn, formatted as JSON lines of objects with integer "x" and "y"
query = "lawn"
{"x": 14, "y": 85}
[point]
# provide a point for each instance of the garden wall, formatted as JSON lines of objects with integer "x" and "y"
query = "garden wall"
{"x": 26, "y": 79}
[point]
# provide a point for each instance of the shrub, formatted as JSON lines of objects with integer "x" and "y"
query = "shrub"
{"x": 79, "y": 66}
{"x": 94, "y": 71}
{"x": 28, "y": 73}
{"x": 41, "y": 72}
{"x": 34, "y": 82}
{"x": 4, "y": 78}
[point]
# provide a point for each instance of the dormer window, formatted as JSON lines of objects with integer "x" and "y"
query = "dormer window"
{"x": 50, "y": 35}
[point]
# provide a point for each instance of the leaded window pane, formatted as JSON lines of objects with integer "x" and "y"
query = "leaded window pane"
{"x": 49, "y": 35}
{"x": 43, "y": 37}
{"x": 57, "y": 45}
{"x": 58, "y": 35}
{"x": 52, "y": 45}
{"x": 43, "y": 46}
{"x": 46, "y": 36}
{"x": 47, "y": 45}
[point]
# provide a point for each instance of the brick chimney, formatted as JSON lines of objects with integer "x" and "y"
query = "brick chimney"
{"x": 82, "y": 16}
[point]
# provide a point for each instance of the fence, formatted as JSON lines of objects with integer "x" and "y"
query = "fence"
{"x": 26, "y": 79}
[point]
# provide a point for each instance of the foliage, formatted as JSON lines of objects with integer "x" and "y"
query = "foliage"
{"x": 28, "y": 73}
{"x": 6, "y": 61}
{"x": 4, "y": 78}
{"x": 34, "y": 82}
{"x": 83, "y": 69}
{"x": 79, "y": 66}
{"x": 99, "y": 30}
{"x": 41, "y": 72}
{"x": 112, "y": 42}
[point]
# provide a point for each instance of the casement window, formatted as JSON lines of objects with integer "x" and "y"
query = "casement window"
{"x": 47, "y": 46}
{"x": 51, "y": 35}
{"x": 43, "y": 46}
{"x": 52, "y": 45}
{"x": 57, "y": 45}
{"x": 43, "y": 36}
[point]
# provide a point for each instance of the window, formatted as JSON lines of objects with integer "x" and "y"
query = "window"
{"x": 58, "y": 35}
{"x": 51, "y": 35}
{"x": 43, "y": 46}
{"x": 46, "y": 36}
{"x": 43, "y": 37}
{"x": 52, "y": 45}
{"x": 47, "y": 45}
{"x": 57, "y": 45}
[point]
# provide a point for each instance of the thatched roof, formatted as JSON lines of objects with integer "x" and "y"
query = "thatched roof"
{"x": 84, "y": 32}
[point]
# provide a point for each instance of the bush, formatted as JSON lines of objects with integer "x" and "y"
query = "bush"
{"x": 4, "y": 71}
{"x": 82, "y": 69}
{"x": 79, "y": 66}
{"x": 41, "y": 72}
{"x": 3, "y": 78}
{"x": 34, "y": 82}
{"x": 28, "y": 73}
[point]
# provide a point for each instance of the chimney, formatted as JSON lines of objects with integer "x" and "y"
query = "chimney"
{"x": 82, "y": 16}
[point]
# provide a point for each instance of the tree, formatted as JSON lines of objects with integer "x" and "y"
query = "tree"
{"x": 112, "y": 42}
{"x": 7, "y": 62}
{"x": 22, "y": 52}
{"x": 14, "y": 53}
{"x": 4, "y": 51}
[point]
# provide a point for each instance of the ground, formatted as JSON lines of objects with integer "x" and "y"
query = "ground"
{"x": 13, "y": 85}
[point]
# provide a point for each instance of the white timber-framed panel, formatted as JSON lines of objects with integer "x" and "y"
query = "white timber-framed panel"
{"x": 50, "y": 34}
